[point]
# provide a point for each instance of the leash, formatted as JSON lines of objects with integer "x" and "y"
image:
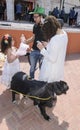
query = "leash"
{"x": 30, "y": 96}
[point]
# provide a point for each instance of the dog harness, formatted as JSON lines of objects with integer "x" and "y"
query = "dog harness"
{"x": 32, "y": 96}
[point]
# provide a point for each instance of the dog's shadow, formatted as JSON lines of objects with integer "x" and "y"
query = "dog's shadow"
{"x": 60, "y": 126}
{"x": 10, "y": 111}
{"x": 55, "y": 122}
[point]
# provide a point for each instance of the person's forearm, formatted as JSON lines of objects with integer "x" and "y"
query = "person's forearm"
{"x": 51, "y": 55}
{"x": 30, "y": 40}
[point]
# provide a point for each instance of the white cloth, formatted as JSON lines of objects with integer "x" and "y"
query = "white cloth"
{"x": 23, "y": 38}
{"x": 22, "y": 50}
{"x": 52, "y": 68}
{"x": 9, "y": 69}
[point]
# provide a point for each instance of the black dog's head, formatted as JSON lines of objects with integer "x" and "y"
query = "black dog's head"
{"x": 59, "y": 88}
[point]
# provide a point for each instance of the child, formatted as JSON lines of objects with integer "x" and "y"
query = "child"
{"x": 11, "y": 65}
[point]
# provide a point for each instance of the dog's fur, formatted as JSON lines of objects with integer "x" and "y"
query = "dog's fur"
{"x": 21, "y": 84}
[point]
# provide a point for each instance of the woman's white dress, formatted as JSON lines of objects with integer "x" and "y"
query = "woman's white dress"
{"x": 52, "y": 68}
{"x": 9, "y": 69}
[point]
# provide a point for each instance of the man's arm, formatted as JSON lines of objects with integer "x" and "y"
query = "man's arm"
{"x": 30, "y": 39}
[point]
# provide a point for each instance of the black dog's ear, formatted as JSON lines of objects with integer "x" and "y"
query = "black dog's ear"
{"x": 63, "y": 83}
{"x": 50, "y": 86}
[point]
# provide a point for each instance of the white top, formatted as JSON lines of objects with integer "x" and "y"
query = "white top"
{"x": 22, "y": 50}
{"x": 52, "y": 68}
{"x": 9, "y": 69}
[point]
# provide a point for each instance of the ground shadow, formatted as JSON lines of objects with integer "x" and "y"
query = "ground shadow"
{"x": 59, "y": 126}
{"x": 55, "y": 123}
{"x": 23, "y": 59}
{"x": 73, "y": 56}
{"x": 26, "y": 118}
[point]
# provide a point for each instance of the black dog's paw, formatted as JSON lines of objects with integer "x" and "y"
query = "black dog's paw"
{"x": 14, "y": 101}
{"x": 47, "y": 118}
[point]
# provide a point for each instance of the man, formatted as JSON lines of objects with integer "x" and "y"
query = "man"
{"x": 35, "y": 55}
{"x": 18, "y": 11}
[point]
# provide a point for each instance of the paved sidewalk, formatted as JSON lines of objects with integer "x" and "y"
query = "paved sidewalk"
{"x": 25, "y": 25}
{"x": 16, "y": 25}
{"x": 65, "y": 115}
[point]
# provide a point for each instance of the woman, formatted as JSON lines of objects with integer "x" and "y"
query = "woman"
{"x": 54, "y": 51}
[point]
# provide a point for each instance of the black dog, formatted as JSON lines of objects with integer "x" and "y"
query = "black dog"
{"x": 42, "y": 93}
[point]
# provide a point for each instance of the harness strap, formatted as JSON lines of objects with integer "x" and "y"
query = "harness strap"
{"x": 30, "y": 96}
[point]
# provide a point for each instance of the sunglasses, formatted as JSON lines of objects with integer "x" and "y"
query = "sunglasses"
{"x": 35, "y": 17}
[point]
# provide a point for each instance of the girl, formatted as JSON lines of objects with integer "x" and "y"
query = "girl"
{"x": 11, "y": 65}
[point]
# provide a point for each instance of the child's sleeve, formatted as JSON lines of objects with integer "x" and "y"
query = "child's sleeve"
{"x": 22, "y": 50}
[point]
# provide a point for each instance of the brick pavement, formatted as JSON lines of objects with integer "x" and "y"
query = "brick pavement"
{"x": 65, "y": 115}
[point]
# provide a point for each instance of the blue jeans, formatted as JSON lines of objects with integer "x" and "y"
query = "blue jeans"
{"x": 35, "y": 57}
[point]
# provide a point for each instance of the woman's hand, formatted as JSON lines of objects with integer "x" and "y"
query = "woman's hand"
{"x": 40, "y": 46}
{"x": 44, "y": 43}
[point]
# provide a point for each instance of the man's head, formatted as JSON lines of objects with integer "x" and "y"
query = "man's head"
{"x": 38, "y": 14}
{"x": 37, "y": 18}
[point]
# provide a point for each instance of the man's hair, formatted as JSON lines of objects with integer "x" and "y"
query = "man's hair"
{"x": 50, "y": 26}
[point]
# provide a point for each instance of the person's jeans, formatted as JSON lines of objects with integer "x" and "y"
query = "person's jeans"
{"x": 35, "y": 56}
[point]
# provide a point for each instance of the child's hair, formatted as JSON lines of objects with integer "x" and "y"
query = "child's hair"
{"x": 6, "y": 42}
